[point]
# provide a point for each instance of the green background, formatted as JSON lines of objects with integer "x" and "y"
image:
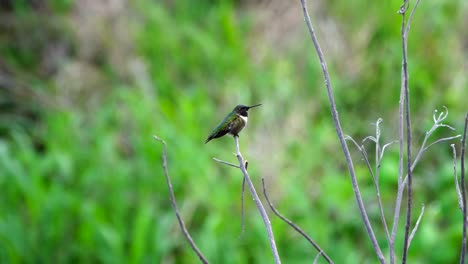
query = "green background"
{"x": 84, "y": 85}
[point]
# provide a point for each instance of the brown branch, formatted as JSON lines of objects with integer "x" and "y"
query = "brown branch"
{"x": 258, "y": 202}
{"x": 174, "y": 204}
{"x": 340, "y": 134}
{"x": 297, "y": 228}
{"x": 463, "y": 191}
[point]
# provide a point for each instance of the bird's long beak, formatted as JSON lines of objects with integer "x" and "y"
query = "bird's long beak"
{"x": 254, "y": 106}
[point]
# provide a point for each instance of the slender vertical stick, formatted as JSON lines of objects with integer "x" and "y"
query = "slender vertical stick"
{"x": 463, "y": 191}
{"x": 341, "y": 137}
{"x": 408, "y": 160}
{"x": 404, "y": 109}
{"x": 404, "y": 40}
{"x": 378, "y": 154}
{"x": 174, "y": 204}
{"x": 401, "y": 137}
{"x": 259, "y": 204}
{"x": 401, "y": 148}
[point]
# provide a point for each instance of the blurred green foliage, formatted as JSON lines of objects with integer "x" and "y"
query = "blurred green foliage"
{"x": 85, "y": 86}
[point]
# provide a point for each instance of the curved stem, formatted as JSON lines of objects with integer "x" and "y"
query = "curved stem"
{"x": 341, "y": 137}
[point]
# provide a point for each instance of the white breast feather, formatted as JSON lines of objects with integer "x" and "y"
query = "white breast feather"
{"x": 243, "y": 118}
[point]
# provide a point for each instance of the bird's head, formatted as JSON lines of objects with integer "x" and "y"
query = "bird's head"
{"x": 242, "y": 109}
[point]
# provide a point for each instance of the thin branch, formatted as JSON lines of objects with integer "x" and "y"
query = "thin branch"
{"x": 375, "y": 179}
{"x": 226, "y": 163}
{"x": 258, "y": 203}
{"x": 341, "y": 137}
{"x": 457, "y": 185}
{"x": 384, "y": 148}
{"x": 317, "y": 257}
{"x": 378, "y": 160}
{"x": 369, "y": 167}
{"x": 399, "y": 198}
{"x": 410, "y": 177}
{"x": 174, "y": 204}
{"x": 463, "y": 191}
{"x": 416, "y": 226}
{"x": 441, "y": 140}
{"x": 364, "y": 156}
{"x": 401, "y": 119}
{"x": 297, "y": 228}
{"x": 410, "y": 19}
{"x": 401, "y": 187}
{"x": 408, "y": 130}
{"x": 437, "y": 123}
{"x": 242, "y": 193}
{"x": 404, "y": 105}
{"x": 422, "y": 150}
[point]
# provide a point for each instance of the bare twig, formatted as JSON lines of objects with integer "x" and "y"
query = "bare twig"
{"x": 457, "y": 185}
{"x": 416, "y": 226}
{"x": 384, "y": 148}
{"x": 374, "y": 178}
{"x": 317, "y": 257}
{"x": 438, "y": 122}
{"x": 297, "y": 228}
{"x": 441, "y": 140}
{"x": 403, "y": 104}
{"x": 258, "y": 202}
{"x": 242, "y": 193}
{"x": 379, "y": 152}
{"x": 408, "y": 168}
{"x": 340, "y": 134}
{"x": 409, "y": 205}
{"x": 226, "y": 163}
{"x": 463, "y": 190}
{"x": 174, "y": 204}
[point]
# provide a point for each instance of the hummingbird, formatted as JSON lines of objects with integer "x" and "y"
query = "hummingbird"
{"x": 233, "y": 123}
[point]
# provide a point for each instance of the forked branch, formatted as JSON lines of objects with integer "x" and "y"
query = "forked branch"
{"x": 243, "y": 167}
{"x": 375, "y": 176}
{"x": 258, "y": 202}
